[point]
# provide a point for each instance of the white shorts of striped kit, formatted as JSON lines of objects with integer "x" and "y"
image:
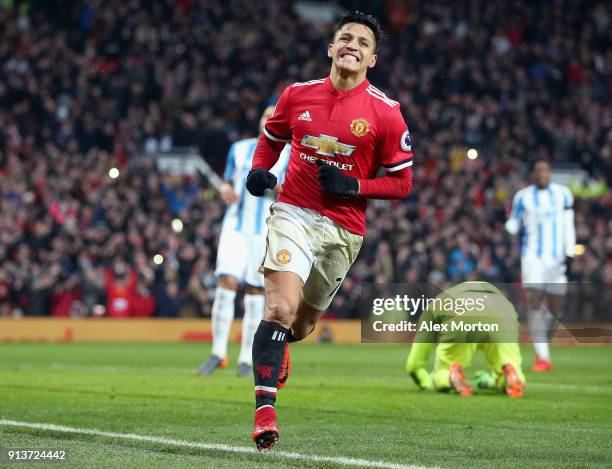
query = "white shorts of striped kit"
{"x": 547, "y": 275}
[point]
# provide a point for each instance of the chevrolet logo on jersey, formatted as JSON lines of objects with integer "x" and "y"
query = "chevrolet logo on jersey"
{"x": 327, "y": 145}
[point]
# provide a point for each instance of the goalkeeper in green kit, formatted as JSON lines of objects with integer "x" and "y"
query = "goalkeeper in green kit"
{"x": 463, "y": 319}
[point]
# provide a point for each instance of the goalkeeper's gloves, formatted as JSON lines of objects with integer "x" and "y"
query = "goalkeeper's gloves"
{"x": 485, "y": 380}
{"x": 334, "y": 180}
{"x": 259, "y": 180}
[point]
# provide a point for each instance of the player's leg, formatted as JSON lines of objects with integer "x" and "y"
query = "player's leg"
{"x": 532, "y": 272}
{"x": 556, "y": 290}
{"x": 230, "y": 269}
{"x": 305, "y": 321}
{"x": 286, "y": 265}
{"x": 538, "y": 320}
{"x": 505, "y": 362}
{"x": 269, "y": 346}
{"x": 222, "y": 317}
{"x": 303, "y": 325}
{"x": 449, "y": 364}
{"x": 556, "y": 300}
{"x": 254, "y": 302}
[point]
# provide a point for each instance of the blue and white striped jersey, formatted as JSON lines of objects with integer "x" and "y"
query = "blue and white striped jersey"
{"x": 546, "y": 217}
{"x": 249, "y": 214}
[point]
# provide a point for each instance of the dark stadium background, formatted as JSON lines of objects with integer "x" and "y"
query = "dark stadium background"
{"x": 86, "y": 86}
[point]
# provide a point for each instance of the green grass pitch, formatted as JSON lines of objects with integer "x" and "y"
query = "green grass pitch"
{"x": 341, "y": 401}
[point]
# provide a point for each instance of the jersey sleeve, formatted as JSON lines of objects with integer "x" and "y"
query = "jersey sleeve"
{"x": 230, "y": 164}
{"x": 276, "y": 133}
{"x": 278, "y": 126}
{"x": 280, "y": 167}
{"x": 395, "y": 185}
{"x": 513, "y": 223}
{"x": 395, "y": 147}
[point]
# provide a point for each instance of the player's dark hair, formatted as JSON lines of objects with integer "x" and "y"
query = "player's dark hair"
{"x": 535, "y": 163}
{"x": 362, "y": 18}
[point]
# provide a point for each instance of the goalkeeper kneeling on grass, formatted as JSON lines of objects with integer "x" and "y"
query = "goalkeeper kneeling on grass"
{"x": 463, "y": 319}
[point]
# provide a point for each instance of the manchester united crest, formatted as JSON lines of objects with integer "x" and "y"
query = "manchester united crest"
{"x": 283, "y": 256}
{"x": 360, "y": 127}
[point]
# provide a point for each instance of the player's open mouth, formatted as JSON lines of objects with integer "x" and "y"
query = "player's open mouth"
{"x": 347, "y": 55}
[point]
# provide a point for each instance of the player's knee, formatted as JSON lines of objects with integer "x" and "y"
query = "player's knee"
{"x": 251, "y": 290}
{"x": 303, "y": 329}
{"x": 534, "y": 300}
{"x": 228, "y": 282}
{"x": 281, "y": 311}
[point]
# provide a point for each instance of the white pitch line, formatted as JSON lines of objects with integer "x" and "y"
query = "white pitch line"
{"x": 340, "y": 460}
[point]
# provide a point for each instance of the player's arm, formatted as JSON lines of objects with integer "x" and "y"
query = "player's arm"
{"x": 280, "y": 168}
{"x": 513, "y": 224}
{"x": 416, "y": 365}
{"x": 396, "y": 150}
{"x": 228, "y": 193}
{"x": 276, "y": 134}
{"x": 422, "y": 347}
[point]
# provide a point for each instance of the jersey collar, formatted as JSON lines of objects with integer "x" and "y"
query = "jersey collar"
{"x": 344, "y": 93}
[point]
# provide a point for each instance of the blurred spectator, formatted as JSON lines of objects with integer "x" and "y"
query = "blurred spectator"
{"x": 88, "y": 86}
{"x": 120, "y": 282}
{"x": 142, "y": 303}
{"x": 66, "y": 297}
{"x": 168, "y": 300}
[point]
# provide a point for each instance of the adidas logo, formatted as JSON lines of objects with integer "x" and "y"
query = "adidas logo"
{"x": 305, "y": 116}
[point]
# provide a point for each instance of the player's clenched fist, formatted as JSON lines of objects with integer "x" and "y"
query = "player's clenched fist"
{"x": 259, "y": 180}
{"x": 334, "y": 180}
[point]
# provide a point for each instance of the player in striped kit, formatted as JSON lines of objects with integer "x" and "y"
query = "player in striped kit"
{"x": 544, "y": 213}
{"x": 241, "y": 248}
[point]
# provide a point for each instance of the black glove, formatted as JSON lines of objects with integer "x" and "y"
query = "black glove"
{"x": 568, "y": 266}
{"x": 259, "y": 180}
{"x": 334, "y": 180}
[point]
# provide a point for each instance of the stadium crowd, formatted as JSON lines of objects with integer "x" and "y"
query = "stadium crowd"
{"x": 92, "y": 85}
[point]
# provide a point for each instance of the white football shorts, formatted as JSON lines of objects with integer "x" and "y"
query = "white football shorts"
{"x": 312, "y": 246}
{"x": 240, "y": 255}
{"x": 544, "y": 274}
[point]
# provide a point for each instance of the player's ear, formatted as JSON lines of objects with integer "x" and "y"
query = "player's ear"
{"x": 372, "y": 61}
{"x": 330, "y": 50}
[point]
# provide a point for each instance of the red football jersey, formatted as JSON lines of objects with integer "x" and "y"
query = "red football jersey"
{"x": 358, "y": 130}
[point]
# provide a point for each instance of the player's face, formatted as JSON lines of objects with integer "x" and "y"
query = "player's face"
{"x": 353, "y": 48}
{"x": 541, "y": 174}
{"x": 264, "y": 117}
